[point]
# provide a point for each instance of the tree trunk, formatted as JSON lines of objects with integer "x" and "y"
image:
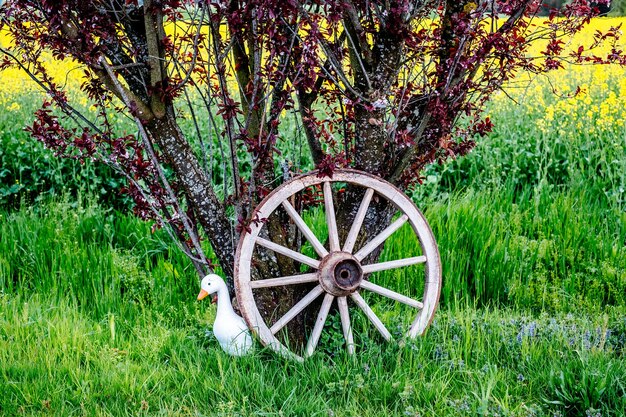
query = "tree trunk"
{"x": 197, "y": 188}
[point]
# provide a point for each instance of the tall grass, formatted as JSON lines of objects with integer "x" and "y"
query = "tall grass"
{"x": 551, "y": 251}
{"x": 539, "y": 252}
{"x": 98, "y": 317}
{"x": 96, "y": 259}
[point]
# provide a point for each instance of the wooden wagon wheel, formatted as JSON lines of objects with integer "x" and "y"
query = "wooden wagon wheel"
{"x": 338, "y": 272}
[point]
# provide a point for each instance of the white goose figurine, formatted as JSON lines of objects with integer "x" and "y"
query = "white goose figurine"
{"x": 229, "y": 329}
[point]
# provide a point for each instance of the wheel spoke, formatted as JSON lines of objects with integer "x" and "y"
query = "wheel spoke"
{"x": 297, "y": 256}
{"x": 333, "y": 236}
{"x": 391, "y": 294}
{"x": 371, "y": 315}
{"x": 319, "y": 324}
{"x": 380, "y": 238}
{"x": 289, "y": 280}
{"x": 293, "y": 312}
{"x": 383, "y": 266}
{"x": 342, "y": 302}
{"x": 306, "y": 231}
{"x": 358, "y": 221}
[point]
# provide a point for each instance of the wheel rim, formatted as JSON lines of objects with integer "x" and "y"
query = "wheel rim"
{"x": 338, "y": 271}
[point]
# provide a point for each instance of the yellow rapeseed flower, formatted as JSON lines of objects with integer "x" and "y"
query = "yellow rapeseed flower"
{"x": 15, "y": 106}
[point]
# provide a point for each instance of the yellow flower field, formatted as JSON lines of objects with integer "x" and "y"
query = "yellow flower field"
{"x": 598, "y": 104}
{"x": 585, "y": 98}
{"x": 17, "y": 87}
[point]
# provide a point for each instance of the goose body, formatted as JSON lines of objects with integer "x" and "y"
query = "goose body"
{"x": 230, "y": 330}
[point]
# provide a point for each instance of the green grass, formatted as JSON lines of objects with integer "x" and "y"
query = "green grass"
{"x": 59, "y": 361}
{"x": 98, "y": 317}
{"x": 558, "y": 251}
{"x": 97, "y": 259}
{"x": 30, "y": 173}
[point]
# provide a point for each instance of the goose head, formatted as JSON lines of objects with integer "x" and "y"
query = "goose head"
{"x": 211, "y": 284}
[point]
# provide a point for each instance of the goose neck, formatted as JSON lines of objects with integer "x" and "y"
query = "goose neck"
{"x": 223, "y": 302}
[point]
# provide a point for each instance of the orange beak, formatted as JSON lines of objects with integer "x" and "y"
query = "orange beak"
{"x": 202, "y": 294}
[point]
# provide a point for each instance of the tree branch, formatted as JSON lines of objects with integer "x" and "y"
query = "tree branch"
{"x": 153, "y": 23}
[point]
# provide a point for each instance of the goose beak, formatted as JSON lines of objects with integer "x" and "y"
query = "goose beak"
{"x": 202, "y": 294}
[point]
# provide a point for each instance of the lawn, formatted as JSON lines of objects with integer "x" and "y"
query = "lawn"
{"x": 98, "y": 314}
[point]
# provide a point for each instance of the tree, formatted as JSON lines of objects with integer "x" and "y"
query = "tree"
{"x": 386, "y": 87}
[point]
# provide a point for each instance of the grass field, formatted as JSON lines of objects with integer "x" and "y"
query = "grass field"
{"x": 98, "y": 318}
{"x": 98, "y": 315}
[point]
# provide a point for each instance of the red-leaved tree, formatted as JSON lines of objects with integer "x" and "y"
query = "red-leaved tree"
{"x": 386, "y": 87}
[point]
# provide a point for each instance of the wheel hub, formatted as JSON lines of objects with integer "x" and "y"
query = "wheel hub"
{"x": 340, "y": 274}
